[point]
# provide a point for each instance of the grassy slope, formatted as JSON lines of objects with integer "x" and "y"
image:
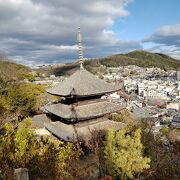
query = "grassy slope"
{"x": 12, "y": 71}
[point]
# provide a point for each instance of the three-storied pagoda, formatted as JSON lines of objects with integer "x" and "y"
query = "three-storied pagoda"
{"x": 83, "y": 110}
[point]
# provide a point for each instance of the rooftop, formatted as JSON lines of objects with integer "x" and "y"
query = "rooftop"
{"x": 176, "y": 119}
{"x": 83, "y": 84}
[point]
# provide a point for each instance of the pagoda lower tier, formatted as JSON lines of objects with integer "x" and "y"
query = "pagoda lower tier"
{"x": 74, "y": 132}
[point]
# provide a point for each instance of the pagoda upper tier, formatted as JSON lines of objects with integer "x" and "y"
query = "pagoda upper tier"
{"x": 83, "y": 84}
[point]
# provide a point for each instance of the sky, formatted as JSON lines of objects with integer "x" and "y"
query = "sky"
{"x": 36, "y": 32}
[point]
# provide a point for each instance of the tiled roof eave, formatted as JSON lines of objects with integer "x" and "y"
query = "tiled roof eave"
{"x": 84, "y": 95}
{"x": 83, "y": 84}
{"x": 65, "y": 111}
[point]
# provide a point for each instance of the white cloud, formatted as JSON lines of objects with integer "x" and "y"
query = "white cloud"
{"x": 169, "y": 30}
{"x": 45, "y": 31}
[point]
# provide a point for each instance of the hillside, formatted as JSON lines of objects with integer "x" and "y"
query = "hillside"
{"x": 139, "y": 58}
{"x": 12, "y": 71}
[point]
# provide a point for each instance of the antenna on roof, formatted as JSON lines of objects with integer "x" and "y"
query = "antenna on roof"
{"x": 80, "y": 48}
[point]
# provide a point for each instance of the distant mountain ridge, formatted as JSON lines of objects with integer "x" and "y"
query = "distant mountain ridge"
{"x": 11, "y": 70}
{"x": 139, "y": 58}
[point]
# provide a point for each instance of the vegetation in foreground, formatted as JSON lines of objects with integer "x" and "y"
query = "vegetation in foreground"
{"x": 44, "y": 158}
{"x": 135, "y": 152}
{"x": 18, "y": 100}
{"x": 131, "y": 153}
{"x": 124, "y": 153}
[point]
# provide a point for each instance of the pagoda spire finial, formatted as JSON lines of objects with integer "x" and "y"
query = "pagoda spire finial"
{"x": 80, "y": 48}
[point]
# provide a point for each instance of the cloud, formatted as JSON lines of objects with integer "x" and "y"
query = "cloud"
{"x": 166, "y": 35}
{"x": 43, "y": 31}
{"x": 166, "y": 40}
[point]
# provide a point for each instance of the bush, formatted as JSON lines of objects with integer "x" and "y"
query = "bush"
{"x": 45, "y": 158}
{"x": 19, "y": 98}
{"x": 22, "y": 97}
{"x": 116, "y": 117}
{"x": 28, "y": 76}
{"x": 164, "y": 131}
{"x": 124, "y": 153}
{"x": 123, "y": 116}
{"x": 164, "y": 159}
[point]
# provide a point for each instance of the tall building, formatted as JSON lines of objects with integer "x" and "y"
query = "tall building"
{"x": 141, "y": 89}
{"x": 83, "y": 110}
{"x": 178, "y": 75}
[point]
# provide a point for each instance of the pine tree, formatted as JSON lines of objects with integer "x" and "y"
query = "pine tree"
{"x": 124, "y": 153}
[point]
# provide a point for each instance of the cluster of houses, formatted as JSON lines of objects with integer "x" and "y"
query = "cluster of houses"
{"x": 151, "y": 93}
{"x": 117, "y": 73}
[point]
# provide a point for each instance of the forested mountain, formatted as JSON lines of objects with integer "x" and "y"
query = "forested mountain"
{"x": 139, "y": 58}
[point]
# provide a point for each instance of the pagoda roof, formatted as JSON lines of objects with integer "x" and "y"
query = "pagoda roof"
{"x": 82, "y": 130}
{"x": 80, "y": 112}
{"x": 83, "y": 84}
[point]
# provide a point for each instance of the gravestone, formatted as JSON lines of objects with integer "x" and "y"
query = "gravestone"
{"x": 21, "y": 174}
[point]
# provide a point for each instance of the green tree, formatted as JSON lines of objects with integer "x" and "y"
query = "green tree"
{"x": 18, "y": 100}
{"x": 28, "y": 76}
{"x": 45, "y": 158}
{"x": 22, "y": 97}
{"x": 164, "y": 131}
{"x": 124, "y": 153}
{"x": 122, "y": 116}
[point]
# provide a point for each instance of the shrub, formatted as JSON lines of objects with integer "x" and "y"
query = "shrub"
{"x": 123, "y": 116}
{"x": 116, "y": 117}
{"x": 124, "y": 153}
{"x": 44, "y": 158}
{"x": 19, "y": 98}
{"x": 164, "y": 131}
{"x": 28, "y": 76}
{"x": 22, "y": 97}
